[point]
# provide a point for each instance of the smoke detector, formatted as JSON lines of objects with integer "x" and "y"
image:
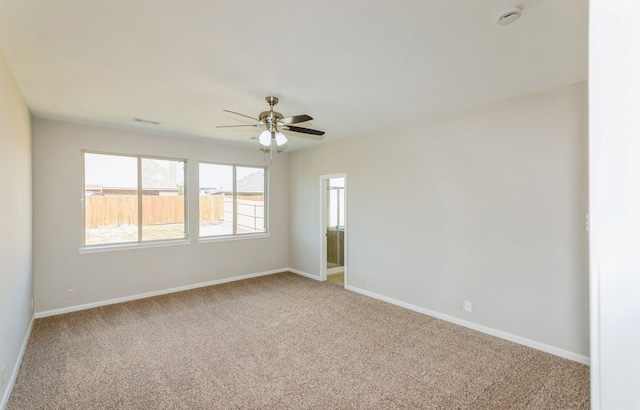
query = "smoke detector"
{"x": 509, "y": 15}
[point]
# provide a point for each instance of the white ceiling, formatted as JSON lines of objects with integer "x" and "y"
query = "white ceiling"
{"x": 356, "y": 66}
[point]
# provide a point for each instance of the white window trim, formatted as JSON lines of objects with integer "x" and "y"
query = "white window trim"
{"x": 133, "y": 245}
{"x": 140, "y": 243}
{"x": 235, "y": 235}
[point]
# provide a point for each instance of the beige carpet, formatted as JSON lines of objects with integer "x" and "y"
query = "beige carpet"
{"x": 281, "y": 342}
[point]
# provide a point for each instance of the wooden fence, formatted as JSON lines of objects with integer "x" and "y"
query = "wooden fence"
{"x": 212, "y": 207}
{"x": 119, "y": 210}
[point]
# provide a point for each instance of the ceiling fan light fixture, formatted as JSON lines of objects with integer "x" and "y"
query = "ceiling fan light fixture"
{"x": 265, "y": 138}
{"x": 272, "y": 138}
{"x": 281, "y": 139}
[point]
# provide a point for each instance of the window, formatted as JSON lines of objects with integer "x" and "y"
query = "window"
{"x": 232, "y": 200}
{"x": 131, "y": 199}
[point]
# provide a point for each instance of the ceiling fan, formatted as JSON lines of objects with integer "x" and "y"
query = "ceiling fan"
{"x": 274, "y": 123}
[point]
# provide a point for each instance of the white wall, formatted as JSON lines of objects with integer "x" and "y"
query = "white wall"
{"x": 97, "y": 277}
{"x": 487, "y": 205}
{"x": 614, "y": 149}
{"x": 16, "y": 279}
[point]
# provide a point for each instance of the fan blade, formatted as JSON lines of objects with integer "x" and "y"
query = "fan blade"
{"x": 295, "y": 119}
{"x": 303, "y": 130}
{"x": 234, "y": 126}
{"x": 242, "y": 115}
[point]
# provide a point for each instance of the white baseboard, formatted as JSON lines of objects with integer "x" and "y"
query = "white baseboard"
{"x": 333, "y": 271}
{"x": 151, "y": 294}
{"x": 16, "y": 368}
{"x": 305, "y": 274}
{"x": 480, "y": 328}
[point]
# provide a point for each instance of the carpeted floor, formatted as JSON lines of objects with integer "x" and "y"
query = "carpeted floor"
{"x": 282, "y": 342}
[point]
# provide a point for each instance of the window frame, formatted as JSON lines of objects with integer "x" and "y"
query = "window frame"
{"x": 139, "y": 243}
{"x": 235, "y": 235}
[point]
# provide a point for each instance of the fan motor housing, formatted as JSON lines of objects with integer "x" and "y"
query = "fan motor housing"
{"x": 270, "y": 117}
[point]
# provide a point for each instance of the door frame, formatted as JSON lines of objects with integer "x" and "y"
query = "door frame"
{"x": 324, "y": 221}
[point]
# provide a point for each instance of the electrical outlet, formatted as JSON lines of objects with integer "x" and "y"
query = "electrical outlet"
{"x": 467, "y": 306}
{"x": 71, "y": 293}
{"x": 457, "y": 303}
{"x": 586, "y": 223}
{"x": 2, "y": 376}
{"x": 363, "y": 278}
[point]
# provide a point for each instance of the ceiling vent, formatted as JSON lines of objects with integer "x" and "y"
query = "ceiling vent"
{"x": 143, "y": 121}
{"x": 509, "y": 15}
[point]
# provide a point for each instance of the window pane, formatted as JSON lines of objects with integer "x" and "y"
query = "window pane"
{"x": 336, "y": 203}
{"x": 216, "y": 199}
{"x": 163, "y": 199}
{"x": 250, "y": 199}
{"x": 111, "y": 199}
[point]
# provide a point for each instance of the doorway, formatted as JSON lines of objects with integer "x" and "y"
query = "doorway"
{"x": 334, "y": 232}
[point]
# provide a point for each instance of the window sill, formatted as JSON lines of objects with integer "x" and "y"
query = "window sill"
{"x": 128, "y": 246}
{"x": 225, "y": 238}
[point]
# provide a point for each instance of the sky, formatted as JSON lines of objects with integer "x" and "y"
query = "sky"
{"x": 121, "y": 171}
